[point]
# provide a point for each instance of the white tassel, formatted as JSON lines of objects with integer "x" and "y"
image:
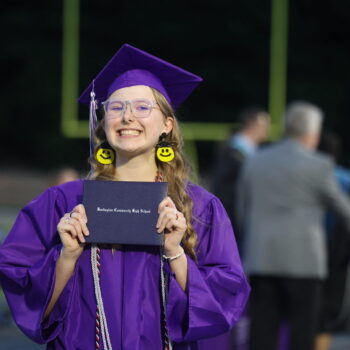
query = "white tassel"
{"x": 92, "y": 118}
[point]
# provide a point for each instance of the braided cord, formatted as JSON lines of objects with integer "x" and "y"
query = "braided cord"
{"x": 101, "y": 321}
{"x": 164, "y": 288}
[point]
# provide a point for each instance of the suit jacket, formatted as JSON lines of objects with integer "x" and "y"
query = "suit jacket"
{"x": 230, "y": 159}
{"x": 225, "y": 177}
{"x": 282, "y": 195}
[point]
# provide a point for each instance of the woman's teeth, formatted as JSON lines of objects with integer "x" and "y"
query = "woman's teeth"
{"x": 129, "y": 132}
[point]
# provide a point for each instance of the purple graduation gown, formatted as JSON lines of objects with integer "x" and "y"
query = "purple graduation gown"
{"x": 130, "y": 281}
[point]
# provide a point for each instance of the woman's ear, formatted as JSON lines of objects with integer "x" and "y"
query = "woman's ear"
{"x": 169, "y": 124}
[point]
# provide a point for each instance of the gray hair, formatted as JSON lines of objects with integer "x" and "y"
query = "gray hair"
{"x": 303, "y": 118}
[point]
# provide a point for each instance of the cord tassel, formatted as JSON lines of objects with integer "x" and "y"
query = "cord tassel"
{"x": 92, "y": 118}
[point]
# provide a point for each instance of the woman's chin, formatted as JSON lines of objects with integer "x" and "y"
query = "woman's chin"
{"x": 130, "y": 152}
{"x": 126, "y": 147}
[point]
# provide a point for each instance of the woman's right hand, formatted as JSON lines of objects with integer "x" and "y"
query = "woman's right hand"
{"x": 72, "y": 230}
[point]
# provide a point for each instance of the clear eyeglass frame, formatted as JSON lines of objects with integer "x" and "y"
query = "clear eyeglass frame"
{"x": 140, "y": 107}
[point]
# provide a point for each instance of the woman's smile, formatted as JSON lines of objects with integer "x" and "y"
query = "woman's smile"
{"x": 126, "y": 132}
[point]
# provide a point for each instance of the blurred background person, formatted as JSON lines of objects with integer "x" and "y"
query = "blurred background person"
{"x": 253, "y": 131}
{"x": 254, "y": 127}
{"x": 335, "y": 311}
{"x": 64, "y": 175}
{"x": 282, "y": 194}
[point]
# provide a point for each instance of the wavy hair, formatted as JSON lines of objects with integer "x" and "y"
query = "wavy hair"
{"x": 176, "y": 172}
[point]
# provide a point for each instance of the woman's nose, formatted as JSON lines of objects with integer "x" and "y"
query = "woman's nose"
{"x": 128, "y": 114}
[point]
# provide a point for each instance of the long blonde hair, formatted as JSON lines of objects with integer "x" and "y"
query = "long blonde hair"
{"x": 176, "y": 172}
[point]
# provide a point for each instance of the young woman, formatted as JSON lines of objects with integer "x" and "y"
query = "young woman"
{"x": 46, "y": 272}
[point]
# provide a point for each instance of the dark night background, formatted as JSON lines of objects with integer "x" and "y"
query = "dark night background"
{"x": 225, "y": 42}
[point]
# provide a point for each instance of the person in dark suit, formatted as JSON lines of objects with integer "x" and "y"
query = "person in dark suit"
{"x": 243, "y": 143}
{"x": 283, "y": 193}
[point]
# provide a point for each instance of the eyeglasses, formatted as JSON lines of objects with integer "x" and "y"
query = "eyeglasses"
{"x": 141, "y": 108}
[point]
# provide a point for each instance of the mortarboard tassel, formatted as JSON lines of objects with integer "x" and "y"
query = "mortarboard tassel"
{"x": 92, "y": 118}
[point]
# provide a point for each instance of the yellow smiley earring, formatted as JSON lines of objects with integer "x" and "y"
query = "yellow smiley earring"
{"x": 105, "y": 154}
{"x": 164, "y": 151}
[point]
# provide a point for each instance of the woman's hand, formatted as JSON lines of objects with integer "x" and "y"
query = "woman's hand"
{"x": 174, "y": 222}
{"x": 72, "y": 230}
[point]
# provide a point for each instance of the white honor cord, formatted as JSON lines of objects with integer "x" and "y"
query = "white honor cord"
{"x": 103, "y": 321}
{"x": 167, "y": 339}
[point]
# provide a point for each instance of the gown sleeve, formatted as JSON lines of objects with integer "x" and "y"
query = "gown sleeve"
{"x": 217, "y": 289}
{"x": 28, "y": 264}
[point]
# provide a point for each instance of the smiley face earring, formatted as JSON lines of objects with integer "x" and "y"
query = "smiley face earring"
{"x": 105, "y": 154}
{"x": 164, "y": 151}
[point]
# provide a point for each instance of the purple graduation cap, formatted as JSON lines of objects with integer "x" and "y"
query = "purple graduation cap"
{"x": 131, "y": 66}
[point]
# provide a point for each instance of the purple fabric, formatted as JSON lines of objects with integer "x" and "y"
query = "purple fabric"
{"x": 138, "y": 77}
{"x": 130, "y": 281}
{"x": 283, "y": 336}
{"x": 145, "y": 69}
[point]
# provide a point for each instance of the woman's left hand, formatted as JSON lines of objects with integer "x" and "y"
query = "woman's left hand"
{"x": 174, "y": 222}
